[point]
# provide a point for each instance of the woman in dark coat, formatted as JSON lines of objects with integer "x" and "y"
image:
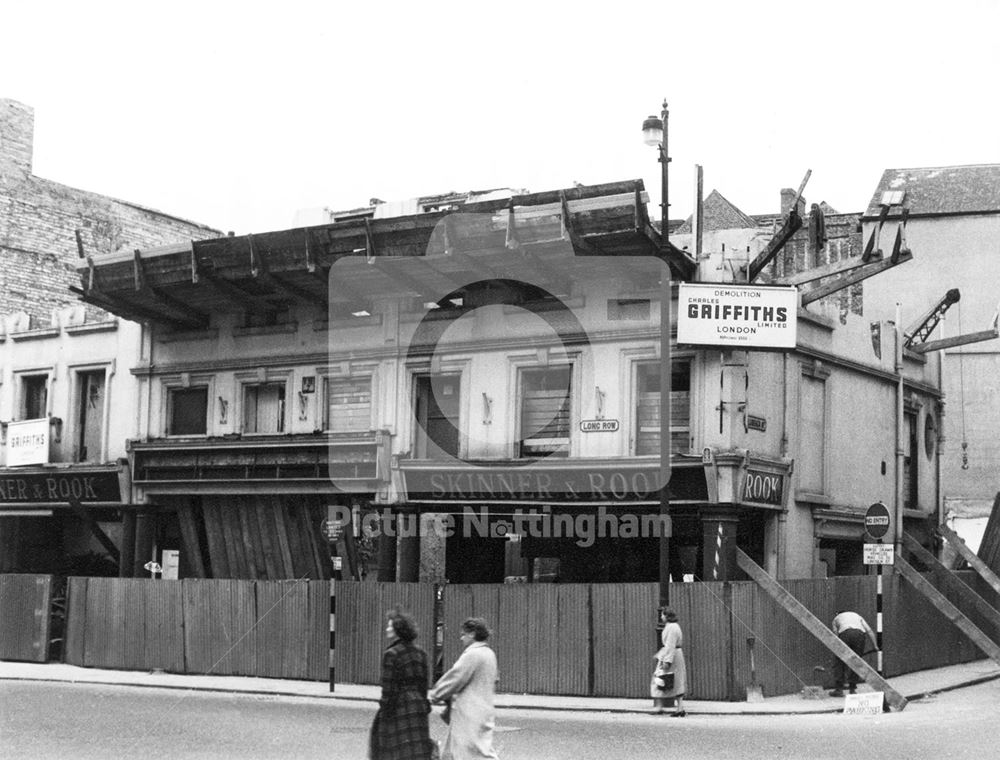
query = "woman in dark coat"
{"x": 400, "y": 729}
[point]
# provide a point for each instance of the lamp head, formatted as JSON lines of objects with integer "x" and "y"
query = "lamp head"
{"x": 652, "y": 131}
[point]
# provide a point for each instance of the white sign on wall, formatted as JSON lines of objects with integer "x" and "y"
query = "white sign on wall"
{"x": 28, "y": 442}
{"x": 737, "y": 316}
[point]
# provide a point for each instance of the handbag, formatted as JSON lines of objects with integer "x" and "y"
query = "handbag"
{"x": 663, "y": 678}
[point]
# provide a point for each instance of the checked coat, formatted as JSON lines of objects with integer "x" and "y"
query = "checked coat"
{"x": 400, "y": 730}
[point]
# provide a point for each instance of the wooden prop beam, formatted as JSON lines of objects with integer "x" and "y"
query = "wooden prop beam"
{"x": 791, "y": 225}
{"x": 303, "y": 294}
{"x": 856, "y": 276}
{"x": 969, "y": 556}
{"x": 948, "y": 609}
{"x": 818, "y": 629}
{"x": 819, "y": 273}
{"x": 983, "y": 607}
{"x": 958, "y": 340}
{"x": 81, "y": 511}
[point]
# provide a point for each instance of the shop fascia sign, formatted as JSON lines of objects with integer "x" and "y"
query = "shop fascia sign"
{"x": 737, "y": 316}
{"x": 28, "y": 442}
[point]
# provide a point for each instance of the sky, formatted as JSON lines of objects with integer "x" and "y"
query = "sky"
{"x": 237, "y": 115}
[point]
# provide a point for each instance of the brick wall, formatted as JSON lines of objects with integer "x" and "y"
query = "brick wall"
{"x": 39, "y": 219}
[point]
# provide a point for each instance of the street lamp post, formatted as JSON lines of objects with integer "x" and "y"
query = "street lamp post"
{"x": 654, "y": 133}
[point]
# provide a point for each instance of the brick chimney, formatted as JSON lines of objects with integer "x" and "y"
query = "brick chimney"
{"x": 17, "y": 131}
{"x": 788, "y": 198}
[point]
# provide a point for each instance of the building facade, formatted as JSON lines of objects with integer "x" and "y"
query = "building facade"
{"x": 66, "y": 394}
{"x": 471, "y": 393}
{"x": 952, "y": 216}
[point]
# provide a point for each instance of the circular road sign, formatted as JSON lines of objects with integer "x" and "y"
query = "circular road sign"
{"x": 877, "y": 520}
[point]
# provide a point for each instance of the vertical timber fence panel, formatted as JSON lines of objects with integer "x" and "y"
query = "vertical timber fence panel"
{"x": 75, "y": 627}
{"x": 25, "y": 601}
{"x": 282, "y": 646}
{"x": 361, "y": 610}
{"x": 624, "y": 638}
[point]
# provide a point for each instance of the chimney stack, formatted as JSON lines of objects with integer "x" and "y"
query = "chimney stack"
{"x": 788, "y": 198}
{"x": 17, "y": 134}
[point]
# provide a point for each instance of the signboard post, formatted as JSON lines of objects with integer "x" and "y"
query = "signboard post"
{"x": 877, "y": 525}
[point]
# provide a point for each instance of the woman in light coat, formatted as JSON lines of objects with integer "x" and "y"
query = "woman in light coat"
{"x": 670, "y": 659}
{"x": 470, "y": 687}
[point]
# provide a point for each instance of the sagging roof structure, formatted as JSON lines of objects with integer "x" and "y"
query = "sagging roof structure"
{"x": 180, "y": 285}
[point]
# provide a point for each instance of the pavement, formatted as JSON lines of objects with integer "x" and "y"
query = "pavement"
{"x": 913, "y": 686}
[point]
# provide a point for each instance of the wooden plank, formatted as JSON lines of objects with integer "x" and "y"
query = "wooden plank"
{"x": 277, "y": 512}
{"x": 262, "y": 506}
{"x": 75, "y": 626}
{"x": 819, "y": 630}
{"x": 952, "y": 580}
{"x": 967, "y": 554}
{"x": 233, "y": 533}
{"x": 250, "y": 531}
{"x": 190, "y": 544}
{"x": 948, "y": 609}
{"x": 218, "y": 557}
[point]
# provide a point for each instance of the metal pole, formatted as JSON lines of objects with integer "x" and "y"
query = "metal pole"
{"x": 665, "y": 370}
{"x": 878, "y": 615}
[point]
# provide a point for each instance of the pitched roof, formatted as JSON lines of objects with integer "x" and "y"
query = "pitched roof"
{"x": 942, "y": 190}
{"x": 719, "y": 214}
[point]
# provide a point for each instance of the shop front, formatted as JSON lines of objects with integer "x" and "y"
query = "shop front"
{"x": 62, "y": 519}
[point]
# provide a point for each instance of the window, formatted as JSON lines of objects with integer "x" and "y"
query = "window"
{"x": 910, "y": 470}
{"x": 348, "y": 404}
{"x": 188, "y": 411}
{"x": 34, "y": 397}
{"x": 264, "y": 408}
{"x": 545, "y": 411}
{"x": 90, "y": 415}
{"x": 647, "y": 408}
{"x": 437, "y": 409}
{"x": 810, "y": 462}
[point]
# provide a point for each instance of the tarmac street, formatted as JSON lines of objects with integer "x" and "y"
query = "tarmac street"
{"x": 46, "y": 720}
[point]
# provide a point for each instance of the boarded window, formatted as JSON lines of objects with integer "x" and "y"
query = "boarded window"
{"x": 545, "y": 411}
{"x": 264, "y": 408}
{"x": 90, "y": 415}
{"x": 188, "y": 413}
{"x": 34, "y": 397}
{"x": 647, "y": 408}
{"x": 348, "y": 404}
{"x": 812, "y": 435}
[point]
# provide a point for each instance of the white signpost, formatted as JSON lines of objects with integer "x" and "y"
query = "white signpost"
{"x": 28, "y": 442}
{"x": 737, "y": 316}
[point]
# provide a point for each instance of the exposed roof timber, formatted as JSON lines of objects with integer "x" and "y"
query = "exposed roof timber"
{"x": 303, "y": 294}
{"x": 157, "y": 295}
{"x": 861, "y": 273}
{"x": 238, "y": 296}
{"x": 393, "y": 268}
{"x": 132, "y": 311}
{"x": 568, "y": 231}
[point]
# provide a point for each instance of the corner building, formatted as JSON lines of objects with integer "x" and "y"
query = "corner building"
{"x": 472, "y": 390}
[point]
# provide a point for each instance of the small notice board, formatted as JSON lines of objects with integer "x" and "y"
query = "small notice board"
{"x": 879, "y": 554}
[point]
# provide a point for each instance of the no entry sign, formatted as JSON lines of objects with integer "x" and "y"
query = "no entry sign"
{"x": 877, "y": 520}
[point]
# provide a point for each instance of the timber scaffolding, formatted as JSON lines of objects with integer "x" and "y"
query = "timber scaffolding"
{"x": 180, "y": 285}
{"x": 980, "y": 623}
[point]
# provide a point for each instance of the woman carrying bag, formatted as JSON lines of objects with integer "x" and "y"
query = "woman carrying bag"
{"x": 469, "y": 690}
{"x": 670, "y": 675}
